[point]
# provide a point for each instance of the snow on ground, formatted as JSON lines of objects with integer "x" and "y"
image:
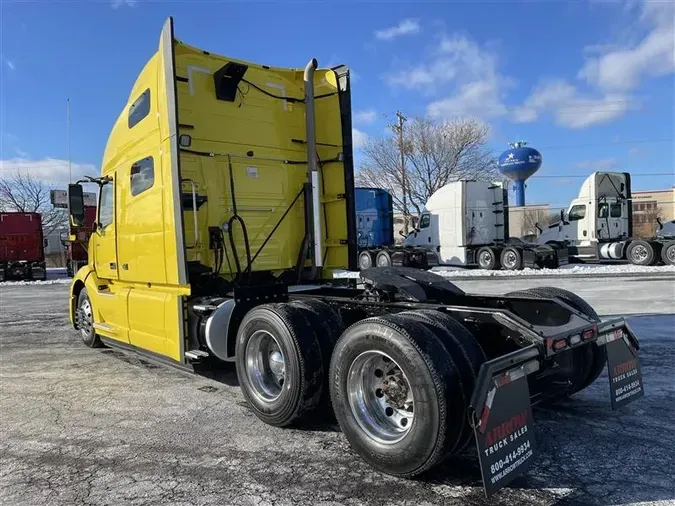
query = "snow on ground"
{"x": 55, "y": 276}
{"x": 567, "y": 270}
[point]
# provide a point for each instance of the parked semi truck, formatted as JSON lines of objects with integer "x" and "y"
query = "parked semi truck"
{"x": 464, "y": 223}
{"x": 375, "y": 232}
{"x": 599, "y": 225}
{"x": 216, "y": 237}
{"x": 75, "y": 242}
{"x": 76, "y": 238}
{"x": 22, "y": 253}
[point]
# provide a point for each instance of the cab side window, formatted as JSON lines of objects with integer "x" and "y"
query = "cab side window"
{"x": 142, "y": 175}
{"x": 140, "y": 108}
{"x": 106, "y": 212}
{"x": 425, "y": 221}
{"x": 577, "y": 212}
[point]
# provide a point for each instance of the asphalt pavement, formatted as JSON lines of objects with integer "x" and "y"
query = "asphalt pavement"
{"x": 84, "y": 427}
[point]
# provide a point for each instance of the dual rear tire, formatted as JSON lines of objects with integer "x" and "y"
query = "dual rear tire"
{"x": 399, "y": 385}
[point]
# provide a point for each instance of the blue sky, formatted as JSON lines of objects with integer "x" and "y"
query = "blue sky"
{"x": 590, "y": 84}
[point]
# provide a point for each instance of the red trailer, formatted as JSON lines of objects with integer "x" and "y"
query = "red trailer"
{"x": 22, "y": 254}
{"x": 76, "y": 251}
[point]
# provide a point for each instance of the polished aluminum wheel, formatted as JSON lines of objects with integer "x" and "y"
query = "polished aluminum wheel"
{"x": 510, "y": 260}
{"x": 85, "y": 320}
{"x": 265, "y": 366}
{"x": 380, "y": 397}
{"x": 639, "y": 253}
{"x": 484, "y": 258}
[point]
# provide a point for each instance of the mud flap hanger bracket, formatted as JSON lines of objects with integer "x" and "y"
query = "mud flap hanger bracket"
{"x": 617, "y": 328}
{"x": 501, "y": 369}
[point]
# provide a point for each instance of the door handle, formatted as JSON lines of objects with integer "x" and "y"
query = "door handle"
{"x": 125, "y": 267}
{"x": 113, "y": 265}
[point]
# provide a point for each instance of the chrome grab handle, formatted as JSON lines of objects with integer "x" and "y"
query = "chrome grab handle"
{"x": 194, "y": 211}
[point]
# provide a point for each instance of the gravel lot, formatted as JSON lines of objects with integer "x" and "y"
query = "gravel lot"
{"x": 82, "y": 426}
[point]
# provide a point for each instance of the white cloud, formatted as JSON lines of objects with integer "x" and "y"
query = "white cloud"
{"x": 622, "y": 67}
{"x": 52, "y": 171}
{"x": 366, "y": 116}
{"x": 466, "y": 72}
{"x": 405, "y": 27}
{"x": 116, "y": 4}
{"x": 571, "y": 108}
{"x": 359, "y": 138}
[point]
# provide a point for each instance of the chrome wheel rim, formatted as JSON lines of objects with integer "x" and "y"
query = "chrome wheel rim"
{"x": 382, "y": 261}
{"x": 265, "y": 366}
{"x": 510, "y": 259}
{"x": 366, "y": 261}
{"x": 380, "y": 397}
{"x": 86, "y": 319}
{"x": 640, "y": 253}
{"x": 670, "y": 254}
{"x": 485, "y": 258}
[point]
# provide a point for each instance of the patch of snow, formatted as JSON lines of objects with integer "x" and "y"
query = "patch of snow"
{"x": 59, "y": 281}
{"x": 567, "y": 270}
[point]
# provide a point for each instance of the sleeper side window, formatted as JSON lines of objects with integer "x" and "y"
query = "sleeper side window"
{"x": 106, "y": 210}
{"x": 139, "y": 109}
{"x": 142, "y": 175}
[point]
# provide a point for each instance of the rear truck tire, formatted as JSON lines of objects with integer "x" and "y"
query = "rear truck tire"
{"x": 328, "y": 326}
{"x": 396, "y": 394}
{"x": 668, "y": 253}
{"x": 279, "y": 364}
{"x": 383, "y": 259}
{"x": 85, "y": 321}
{"x": 465, "y": 352}
{"x": 640, "y": 252}
{"x": 487, "y": 258}
{"x": 512, "y": 259}
{"x": 366, "y": 260}
{"x": 592, "y": 357}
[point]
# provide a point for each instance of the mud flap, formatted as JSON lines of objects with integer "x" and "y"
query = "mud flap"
{"x": 623, "y": 363}
{"x": 501, "y": 416}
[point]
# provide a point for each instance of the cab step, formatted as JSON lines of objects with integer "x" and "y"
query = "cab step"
{"x": 196, "y": 354}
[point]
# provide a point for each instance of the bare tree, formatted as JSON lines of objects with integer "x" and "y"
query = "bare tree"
{"x": 435, "y": 154}
{"x": 27, "y": 194}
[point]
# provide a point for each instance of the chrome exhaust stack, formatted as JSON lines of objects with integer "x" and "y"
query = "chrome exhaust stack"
{"x": 312, "y": 165}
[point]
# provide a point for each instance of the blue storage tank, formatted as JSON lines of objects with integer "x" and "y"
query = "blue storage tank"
{"x": 374, "y": 217}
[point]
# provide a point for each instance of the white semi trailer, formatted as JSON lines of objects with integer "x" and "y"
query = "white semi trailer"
{"x": 598, "y": 225}
{"x": 465, "y": 223}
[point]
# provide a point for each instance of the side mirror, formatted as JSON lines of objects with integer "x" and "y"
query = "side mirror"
{"x": 94, "y": 227}
{"x": 623, "y": 187}
{"x": 64, "y": 237}
{"x": 76, "y": 204}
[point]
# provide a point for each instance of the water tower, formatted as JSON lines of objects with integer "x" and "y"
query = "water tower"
{"x": 519, "y": 163}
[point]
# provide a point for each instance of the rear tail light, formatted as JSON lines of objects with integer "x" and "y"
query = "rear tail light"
{"x": 589, "y": 333}
{"x": 559, "y": 345}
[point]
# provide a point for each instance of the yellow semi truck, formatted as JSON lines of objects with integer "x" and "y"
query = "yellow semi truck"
{"x": 226, "y": 202}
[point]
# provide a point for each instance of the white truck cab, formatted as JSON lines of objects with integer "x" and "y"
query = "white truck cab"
{"x": 465, "y": 223}
{"x": 598, "y": 222}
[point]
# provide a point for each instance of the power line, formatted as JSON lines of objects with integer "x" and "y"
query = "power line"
{"x": 586, "y": 175}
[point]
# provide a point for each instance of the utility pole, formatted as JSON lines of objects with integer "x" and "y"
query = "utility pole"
{"x": 404, "y": 177}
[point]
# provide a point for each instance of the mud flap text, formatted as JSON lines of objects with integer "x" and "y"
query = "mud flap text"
{"x": 625, "y": 375}
{"x": 505, "y": 434}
